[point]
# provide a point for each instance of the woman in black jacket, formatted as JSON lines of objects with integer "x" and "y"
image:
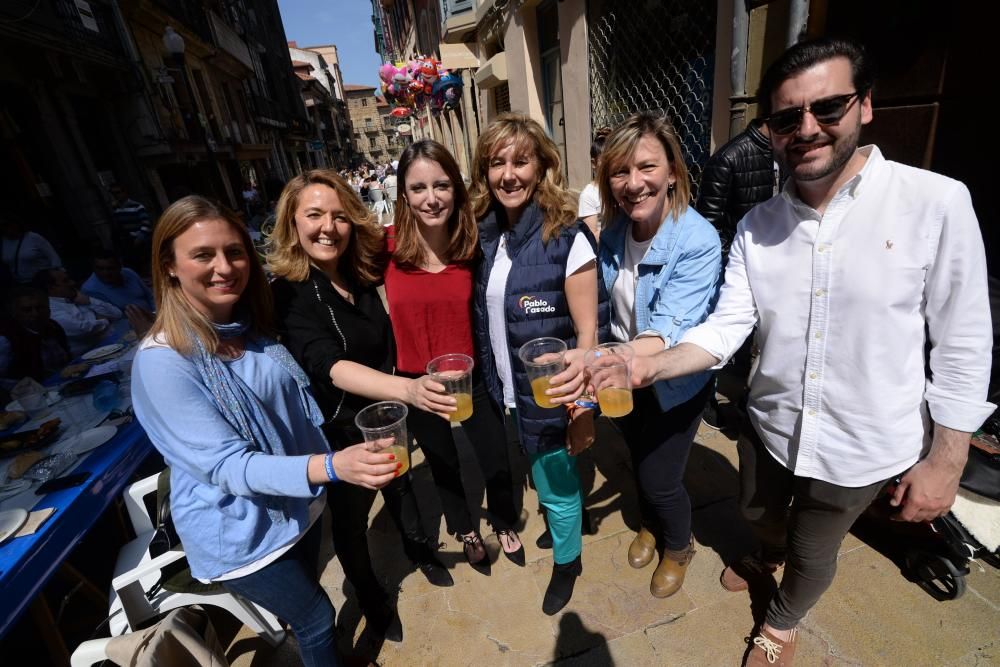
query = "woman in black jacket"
{"x": 324, "y": 250}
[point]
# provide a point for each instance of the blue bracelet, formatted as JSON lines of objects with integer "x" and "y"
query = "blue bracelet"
{"x": 328, "y": 462}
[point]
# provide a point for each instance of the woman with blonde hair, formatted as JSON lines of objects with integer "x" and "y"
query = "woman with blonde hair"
{"x": 536, "y": 251}
{"x": 234, "y": 418}
{"x": 326, "y": 249}
{"x": 660, "y": 262}
{"x": 428, "y": 285}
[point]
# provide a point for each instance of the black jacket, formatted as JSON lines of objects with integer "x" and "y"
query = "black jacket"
{"x": 536, "y": 306}
{"x": 320, "y": 327}
{"x": 736, "y": 178}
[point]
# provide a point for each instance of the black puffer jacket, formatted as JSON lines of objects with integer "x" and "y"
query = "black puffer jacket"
{"x": 736, "y": 178}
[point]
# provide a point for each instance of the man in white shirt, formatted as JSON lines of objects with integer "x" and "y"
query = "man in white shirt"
{"x": 84, "y": 318}
{"x": 843, "y": 273}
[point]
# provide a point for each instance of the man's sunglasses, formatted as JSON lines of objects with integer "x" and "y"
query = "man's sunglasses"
{"x": 826, "y": 112}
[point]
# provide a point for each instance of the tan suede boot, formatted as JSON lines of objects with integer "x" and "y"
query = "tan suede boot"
{"x": 642, "y": 549}
{"x": 669, "y": 574}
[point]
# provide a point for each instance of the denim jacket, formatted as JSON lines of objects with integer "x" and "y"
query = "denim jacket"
{"x": 676, "y": 289}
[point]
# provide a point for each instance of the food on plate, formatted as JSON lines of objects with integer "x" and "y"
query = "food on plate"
{"x": 34, "y": 438}
{"x": 12, "y": 418}
{"x": 74, "y": 370}
{"x": 22, "y": 463}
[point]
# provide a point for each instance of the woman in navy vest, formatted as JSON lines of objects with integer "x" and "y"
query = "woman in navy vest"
{"x": 538, "y": 278}
{"x": 660, "y": 263}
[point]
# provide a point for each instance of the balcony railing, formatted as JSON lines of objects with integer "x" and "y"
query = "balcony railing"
{"x": 191, "y": 14}
{"x": 88, "y": 30}
{"x": 451, "y": 8}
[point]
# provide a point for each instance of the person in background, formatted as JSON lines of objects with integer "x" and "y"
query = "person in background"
{"x": 736, "y": 178}
{"x": 83, "y": 318}
{"x": 121, "y": 287}
{"x": 428, "y": 286}
{"x": 31, "y": 343}
{"x": 535, "y": 249}
{"x": 660, "y": 262}
{"x": 389, "y": 184}
{"x": 589, "y": 206}
{"x": 133, "y": 228}
{"x": 325, "y": 251}
{"x": 25, "y": 253}
{"x": 867, "y": 280}
{"x": 232, "y": 414}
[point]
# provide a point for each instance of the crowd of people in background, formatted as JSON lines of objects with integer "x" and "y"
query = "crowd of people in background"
{"x": 819, "y": 259}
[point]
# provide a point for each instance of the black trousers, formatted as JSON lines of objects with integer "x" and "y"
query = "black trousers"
{"x": 485, "y": 430}
{"x": 659, "y": 443}
{"x": 349, "y": 508}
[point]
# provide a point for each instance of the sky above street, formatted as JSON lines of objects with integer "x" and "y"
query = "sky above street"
{"x": 346, "y": 23}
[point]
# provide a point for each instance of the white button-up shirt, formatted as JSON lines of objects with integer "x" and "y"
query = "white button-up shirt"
{"x": 843, "y": 301}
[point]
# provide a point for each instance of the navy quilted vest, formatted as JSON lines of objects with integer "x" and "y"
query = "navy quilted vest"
{"x": 535, "y": 306}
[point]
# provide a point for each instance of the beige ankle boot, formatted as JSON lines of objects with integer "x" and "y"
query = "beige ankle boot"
{"x": 669, "y": 574}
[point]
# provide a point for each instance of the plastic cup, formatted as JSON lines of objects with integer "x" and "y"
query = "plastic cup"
{"x": 383, "y": 426}
{"x": 106, "y": 396}
{"x": 454, "y": 371}
{"x": 543, "y": 358}
{"x": 611, "y": 376}
{"x": 34, "y": 404}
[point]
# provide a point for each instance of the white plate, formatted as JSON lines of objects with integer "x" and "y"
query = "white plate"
{"x": 103, "y": 351}
{"x": 89, "y": 440}
{"x": 13, "y": 487}
{"x": 52, "y": 397}
{"x": 11, "y": 522}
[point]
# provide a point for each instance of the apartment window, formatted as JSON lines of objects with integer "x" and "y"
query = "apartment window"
{"x": 364, "y": 102}
{"x": 501, "y": 98}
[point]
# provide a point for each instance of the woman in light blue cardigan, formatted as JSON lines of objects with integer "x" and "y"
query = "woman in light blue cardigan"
{"x": 232, "y": 414}
{"x": 660, "y": 262}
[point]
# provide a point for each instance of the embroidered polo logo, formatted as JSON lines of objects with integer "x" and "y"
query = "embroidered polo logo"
{"x": 533, "y": 305}
{"x": 888, "y": 245}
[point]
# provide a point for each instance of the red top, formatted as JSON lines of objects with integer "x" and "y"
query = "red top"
{"x": 431, "y": 313}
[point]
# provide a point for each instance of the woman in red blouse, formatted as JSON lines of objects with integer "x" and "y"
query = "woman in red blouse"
{"x": 428, "y": 284}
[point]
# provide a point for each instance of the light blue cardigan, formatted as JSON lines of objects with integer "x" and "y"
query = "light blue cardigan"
{"x": 677, "y": 287}
{"x": 217, "y": 480}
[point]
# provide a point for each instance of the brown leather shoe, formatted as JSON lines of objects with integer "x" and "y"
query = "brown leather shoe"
{"x": 735, "y": 577}
{"x": 769, "y": 651}
{"x": 669, "y": 574}
{"x": 642, "y": 549}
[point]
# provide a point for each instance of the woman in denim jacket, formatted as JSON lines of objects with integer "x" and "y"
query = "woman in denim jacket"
{"x": 660, "y": 262}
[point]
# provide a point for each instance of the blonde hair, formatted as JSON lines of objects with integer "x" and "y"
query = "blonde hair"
{"x": 178, "y": 322}
{"x": 463, "y": 235}
{"x": 527, "y": 136}
{"x": 285, "y": 255}
{"x": 619, "y": 148}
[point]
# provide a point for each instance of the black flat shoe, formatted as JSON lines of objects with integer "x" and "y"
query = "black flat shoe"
{"x": 560, "y": 589}
{"x": 385, "y": 623}
{"x": 472, "y": 544}
{"x": 427, "y": 562}
{"x": 516, "y": 557}
{"x": 544, "y": 540}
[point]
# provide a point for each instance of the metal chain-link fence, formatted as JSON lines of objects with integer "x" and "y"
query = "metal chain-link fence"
{"x": 655, "y": 55}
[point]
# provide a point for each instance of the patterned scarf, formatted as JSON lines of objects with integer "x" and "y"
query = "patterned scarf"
{"x": 241, "y": 407}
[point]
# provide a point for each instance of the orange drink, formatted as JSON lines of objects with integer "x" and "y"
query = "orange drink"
{"x": 454, "y": 371}
{"x": 464, "y": 408}
{"x": 543, "y": 358}
{"x": 615, "y": 401}
{"x": 538, "y": 387}
{"x": 402, "y": 454}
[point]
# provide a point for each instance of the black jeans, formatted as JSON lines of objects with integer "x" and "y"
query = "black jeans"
{"x": 349, "y": 507}
{"x": 660, "y": 443}
{"x": 800, "y": 521}
{"x": 485, "y": 430}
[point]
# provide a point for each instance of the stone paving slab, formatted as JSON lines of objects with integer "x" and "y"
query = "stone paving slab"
{"x": 871, "y": 615}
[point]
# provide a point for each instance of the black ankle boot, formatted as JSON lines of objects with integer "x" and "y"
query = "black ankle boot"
{"x": 384, "y": 622}
{"x": 426, "y": 560}
{"x": 560, "y": 588}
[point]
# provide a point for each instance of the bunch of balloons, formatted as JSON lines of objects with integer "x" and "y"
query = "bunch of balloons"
{"x": 417, "y": 84}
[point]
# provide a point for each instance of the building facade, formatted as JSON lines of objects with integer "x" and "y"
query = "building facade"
{"x": 375, "y": 139}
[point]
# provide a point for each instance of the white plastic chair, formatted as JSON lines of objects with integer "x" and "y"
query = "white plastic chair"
{"x": 137, "y": 572}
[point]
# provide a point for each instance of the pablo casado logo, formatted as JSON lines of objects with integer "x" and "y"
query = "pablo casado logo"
{"x": 532, "y": 305}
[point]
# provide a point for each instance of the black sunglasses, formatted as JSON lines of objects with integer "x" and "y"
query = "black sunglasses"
{"x": 826, "y": 112}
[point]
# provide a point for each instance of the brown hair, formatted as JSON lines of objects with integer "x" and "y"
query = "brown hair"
{"x": 177, "y": 320}
{"x": 527, "y": 136}
{"x": 463, "y": 235}
{"x": 285, "y": 255}
{"x": 619, "y": 148}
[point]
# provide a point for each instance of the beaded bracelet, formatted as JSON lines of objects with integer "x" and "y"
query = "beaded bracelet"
{"x": 328, "y": 463}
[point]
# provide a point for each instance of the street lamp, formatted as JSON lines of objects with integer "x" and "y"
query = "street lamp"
{"x": 174, "y": 44}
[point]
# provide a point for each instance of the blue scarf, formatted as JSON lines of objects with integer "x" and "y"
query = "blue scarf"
{"x": 241, "y": 407}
